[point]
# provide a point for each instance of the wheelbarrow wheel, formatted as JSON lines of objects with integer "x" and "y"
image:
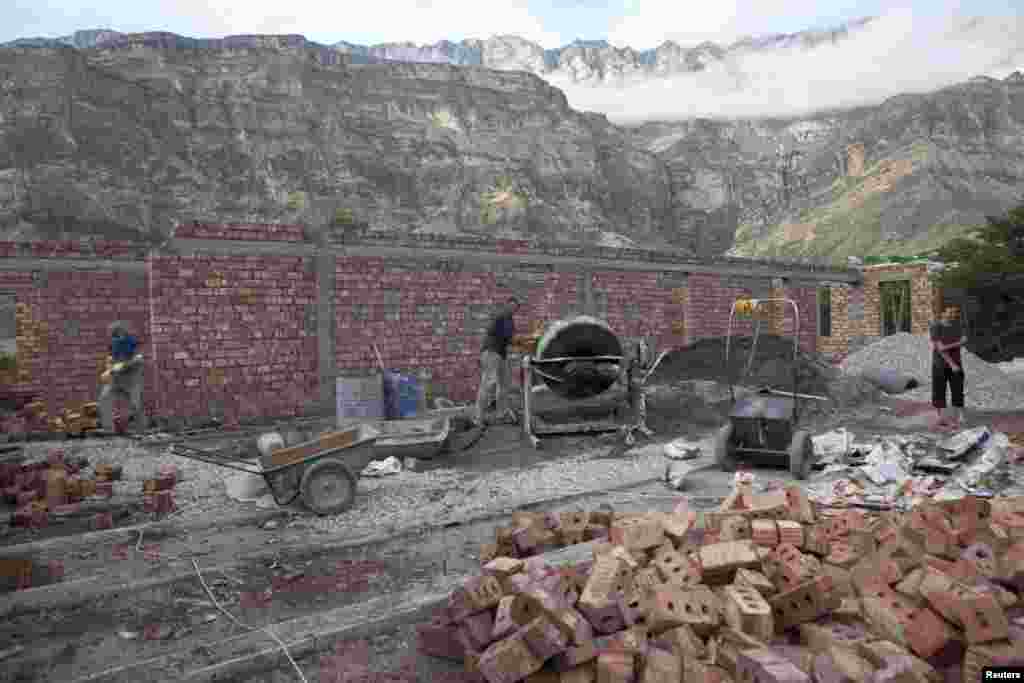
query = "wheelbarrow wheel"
{"x": 725, "y": 452}
{"x": 801, "y": 455}
{"x": 328, "y": 487}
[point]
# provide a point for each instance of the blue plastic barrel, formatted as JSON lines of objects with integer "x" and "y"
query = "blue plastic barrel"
{"x": 401, "y": 396}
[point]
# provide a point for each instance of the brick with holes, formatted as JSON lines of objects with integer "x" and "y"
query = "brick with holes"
{"x": 638, "y": 533}
{"x": 744, "y": 609}
{"x": 735, "y": 528}
{"x": 697, "y": 607}
{"x": 799, "y": 506}
{"x": 982, "y": 557}
{"x": 806, "y": 602}
{"x": 635, "y": 606}
{"x": 605, "y": 576}
{"x": 719, "y": 561}
{"x": 983, "y": 619}
{"x": 508, "y": 661}
{"x": 674, "y": 569}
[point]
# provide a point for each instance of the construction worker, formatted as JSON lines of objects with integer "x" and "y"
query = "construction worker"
{"x": 125, "y": 378}
{"x": 947, "y": 337}
{"x": 494, "y": 362}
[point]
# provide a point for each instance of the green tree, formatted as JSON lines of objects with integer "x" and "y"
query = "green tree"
{"x": 988, "y": 255}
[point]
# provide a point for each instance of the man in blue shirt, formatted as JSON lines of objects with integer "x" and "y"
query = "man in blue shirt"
{"x": 493, "y": 361}
{"x": 125, "y": 378}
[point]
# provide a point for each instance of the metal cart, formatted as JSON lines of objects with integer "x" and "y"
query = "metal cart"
{"x": 762, "y": 427}
{"x": 323, "y": 472}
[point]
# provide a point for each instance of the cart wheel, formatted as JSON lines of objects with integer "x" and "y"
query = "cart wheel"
{"x": 328, "y": 487}
{"x": 801, "y": 455}
{"x": 725, "y": 453}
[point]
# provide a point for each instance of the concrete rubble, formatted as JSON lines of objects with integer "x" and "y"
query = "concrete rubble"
{"x": 770, "y": 587}
{"x": 902, "y": 470}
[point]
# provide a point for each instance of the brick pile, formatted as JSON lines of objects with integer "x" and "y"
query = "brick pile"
{"x": 52, "y": 486}
{"x": 767, "y": 588}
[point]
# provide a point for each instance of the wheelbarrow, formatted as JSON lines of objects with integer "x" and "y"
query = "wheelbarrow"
{"x": 322, "y": 472}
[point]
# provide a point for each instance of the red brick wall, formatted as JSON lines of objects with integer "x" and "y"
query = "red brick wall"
{"x": 237, "y": 335}
{"x": 63, "y": 316}
{"x": 710, "y": 299}
{"x": 230, "y": 337}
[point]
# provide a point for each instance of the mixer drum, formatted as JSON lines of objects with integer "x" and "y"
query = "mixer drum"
{"x": 579, "y": 336}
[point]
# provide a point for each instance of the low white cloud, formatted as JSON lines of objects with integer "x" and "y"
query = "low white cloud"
{"x": 901, "y": 52}
{"x": 648, "y": 23}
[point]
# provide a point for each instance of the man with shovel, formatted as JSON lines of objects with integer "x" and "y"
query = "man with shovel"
{"x": 494, "y": 363}
{"x": 947, "y": 337}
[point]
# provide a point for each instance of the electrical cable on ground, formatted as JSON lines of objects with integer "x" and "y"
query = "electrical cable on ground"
{"x": 264, "y": 629}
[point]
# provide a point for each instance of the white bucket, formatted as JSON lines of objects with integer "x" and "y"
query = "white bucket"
{"x": 268, "y": 443}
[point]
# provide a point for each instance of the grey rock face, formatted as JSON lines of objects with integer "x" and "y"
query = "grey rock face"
{"x": 125, "y": 143}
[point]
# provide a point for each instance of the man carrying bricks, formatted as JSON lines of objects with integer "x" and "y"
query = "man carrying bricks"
{"x": 125, "y": 378}
{"x": 494, "y": 363}
{"x": 947, "y": 337}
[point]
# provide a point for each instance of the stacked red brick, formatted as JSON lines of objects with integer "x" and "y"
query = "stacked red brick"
{"x": 769, "y": 589}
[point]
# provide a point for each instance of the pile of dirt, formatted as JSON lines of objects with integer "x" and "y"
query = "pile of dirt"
{"x": 772, "y": 365}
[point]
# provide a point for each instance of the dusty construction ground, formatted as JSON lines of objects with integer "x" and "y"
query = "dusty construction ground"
{"x": 131, "y": 606}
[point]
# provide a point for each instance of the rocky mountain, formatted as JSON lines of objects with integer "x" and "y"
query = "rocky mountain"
{"x": 126, "y": 134}
{"x": 128, "y": 138}
{"x": 582, "y": 61}
{"x": 899, "y": 178}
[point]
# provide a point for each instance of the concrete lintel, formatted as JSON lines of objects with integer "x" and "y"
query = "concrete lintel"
{"x": 240, "y": 247}
{"x": 65, "y": 264}
{"x": 748, "y": 270}
{"x": 753, "y": 269}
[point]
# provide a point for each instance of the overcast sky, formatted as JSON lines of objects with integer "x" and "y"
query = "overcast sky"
{"x": 638, "y": 23}
{"x": 916, "y": 46}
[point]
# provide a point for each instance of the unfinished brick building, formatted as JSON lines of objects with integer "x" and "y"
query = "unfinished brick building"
{"x": 256, "y": 321}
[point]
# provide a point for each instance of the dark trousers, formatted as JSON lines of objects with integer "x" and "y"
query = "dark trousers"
{"x": 942, "y": 375}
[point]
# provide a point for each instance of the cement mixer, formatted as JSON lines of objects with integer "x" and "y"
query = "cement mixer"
{"x": 580, "y": 358}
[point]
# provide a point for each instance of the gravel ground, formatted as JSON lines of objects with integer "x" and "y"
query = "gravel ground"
{"x": 987, "y": 387}
{"x": 403, "y": 500}
{"x": 411, "y": 498}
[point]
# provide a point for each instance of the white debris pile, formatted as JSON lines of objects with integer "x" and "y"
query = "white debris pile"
{"x": 987, "y": 387}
